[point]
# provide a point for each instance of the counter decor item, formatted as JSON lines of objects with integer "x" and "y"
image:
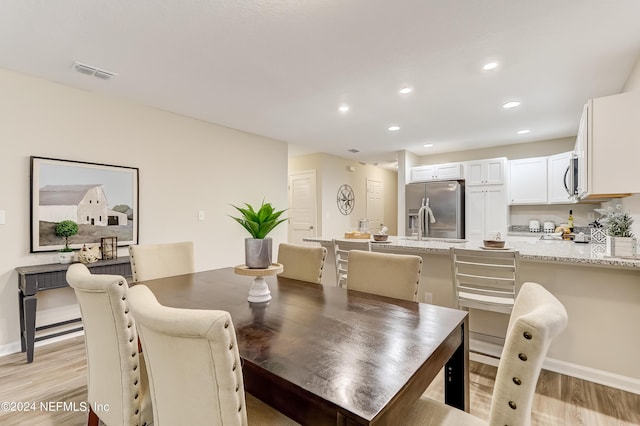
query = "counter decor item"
{"x": 619, "y": 241}
{"x": 258, "y": 249}
{"x": 89, "y": 254}
{"x": 598, "y": 233}
{"x": 109, "y": 247}
{"x": 66, "y": 229}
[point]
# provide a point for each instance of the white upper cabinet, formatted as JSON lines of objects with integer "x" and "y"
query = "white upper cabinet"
{"x": 528, "y": 181}
{"x": 613, "y": 126}
{"x": 485, "y": 172}
{"x": 449, "y": 171}
{"x": 559, "y": 183}
{"x": 486, "y": 212}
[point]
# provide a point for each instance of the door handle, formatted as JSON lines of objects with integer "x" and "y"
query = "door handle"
{"x": 566, "y": 187}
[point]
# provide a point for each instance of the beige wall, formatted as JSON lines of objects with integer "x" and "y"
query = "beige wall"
{"x": 524, "y": 150}
{"x": 331, "y": 173}
{"x": 185, "y": 166}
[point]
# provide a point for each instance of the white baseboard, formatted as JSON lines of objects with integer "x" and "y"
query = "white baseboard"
{"x": 10, "y": 348}
{"x": 605, "y": 378}
{"x": 14, "y": 347}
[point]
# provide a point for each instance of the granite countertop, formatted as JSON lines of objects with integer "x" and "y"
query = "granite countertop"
{"x": 540, "y": 250}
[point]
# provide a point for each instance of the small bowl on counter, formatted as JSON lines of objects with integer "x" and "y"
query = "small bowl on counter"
{"x": 493, "y": 243}
{"x": 380, "y": 237}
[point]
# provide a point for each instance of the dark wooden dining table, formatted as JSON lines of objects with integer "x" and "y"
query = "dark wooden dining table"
{"x": 327, "y": 355}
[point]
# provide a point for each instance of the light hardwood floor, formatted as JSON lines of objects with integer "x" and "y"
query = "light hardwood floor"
{"x": 58, "y": 374}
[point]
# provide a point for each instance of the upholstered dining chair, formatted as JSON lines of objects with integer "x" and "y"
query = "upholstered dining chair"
{"x": 385, "y": 274}
{"x": 150, "y": 261}
{"x": 302, "y": 263}
{"x": 341, "y": 249}
{"x": 194, "y": 366}
{"x": 116, "y": 373}
{"x": 537, "y": 318}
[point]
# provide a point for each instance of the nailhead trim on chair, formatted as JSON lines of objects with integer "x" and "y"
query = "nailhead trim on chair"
{"x": 522, "y": 356}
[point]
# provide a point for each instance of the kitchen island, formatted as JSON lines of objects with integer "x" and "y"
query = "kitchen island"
{"x": 601, "y": 295}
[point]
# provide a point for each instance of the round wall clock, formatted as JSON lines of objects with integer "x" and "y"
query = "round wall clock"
{"x": 346, "y": 199}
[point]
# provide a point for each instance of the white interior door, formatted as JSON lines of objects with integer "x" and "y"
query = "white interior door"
{"x": 375, "y": 204}
{"x": 302, "y": 206}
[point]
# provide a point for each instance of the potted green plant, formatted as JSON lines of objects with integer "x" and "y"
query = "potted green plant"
{"x": 620, "y": 240}
{"x": 258, "y": 248}
{"x": 66, "y": 229}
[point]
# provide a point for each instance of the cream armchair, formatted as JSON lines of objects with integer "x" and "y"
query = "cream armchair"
{"x": 116, "y": 374}
{"x": 302, "y": 263}
{"x": 195, "y": 372}
{"x": 150, "y": 261}
{"x": 385, "y": 274}
{"x": 537, "y": 318}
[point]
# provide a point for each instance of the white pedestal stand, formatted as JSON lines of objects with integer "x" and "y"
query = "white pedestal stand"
{"x": 259, "y": 291}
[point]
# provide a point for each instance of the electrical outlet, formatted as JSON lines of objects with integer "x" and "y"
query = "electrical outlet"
{"x": 201, "y": 215}
{"x": 428, "y": 297}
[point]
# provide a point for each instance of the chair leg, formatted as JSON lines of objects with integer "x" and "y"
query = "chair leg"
{"x": 93, "y": 419}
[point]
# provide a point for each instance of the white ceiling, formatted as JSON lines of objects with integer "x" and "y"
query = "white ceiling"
{"x": 281, "y": 68}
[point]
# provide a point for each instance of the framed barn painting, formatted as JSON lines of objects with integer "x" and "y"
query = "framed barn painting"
{"x": 102, "y": 199}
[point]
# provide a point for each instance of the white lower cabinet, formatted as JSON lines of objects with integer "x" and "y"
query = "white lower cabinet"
{"x": 485, "y": 212}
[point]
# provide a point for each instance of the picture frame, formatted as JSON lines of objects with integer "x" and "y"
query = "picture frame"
{"x": 101, "y": 198}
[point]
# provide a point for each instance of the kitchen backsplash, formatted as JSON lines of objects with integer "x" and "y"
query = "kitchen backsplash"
{"x": 583, "y": 214}
{"x": 525, "y": 228}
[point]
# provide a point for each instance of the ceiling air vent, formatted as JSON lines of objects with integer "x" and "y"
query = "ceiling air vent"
{"x": 354, "y": 151}
{"x": 94, "y": 71}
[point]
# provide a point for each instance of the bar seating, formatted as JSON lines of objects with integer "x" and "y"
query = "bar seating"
{"x": 116, "y": 373}
{"x": 150, "y": 261}
{"x": 537, "y": 318}
{"x": 385, "y": 274}
{"x": 302, "y": 263}
{"x": 485, "y": 280}
{"x": 199, "y": 380}
{"x": 342, "y": 249}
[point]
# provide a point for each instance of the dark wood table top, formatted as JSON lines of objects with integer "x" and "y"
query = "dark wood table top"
{"x": 326, "y": 349}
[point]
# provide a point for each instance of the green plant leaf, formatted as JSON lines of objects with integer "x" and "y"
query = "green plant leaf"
{"x": 259, "y": 223}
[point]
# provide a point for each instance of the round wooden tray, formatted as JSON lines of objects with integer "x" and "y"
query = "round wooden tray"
{"x": 273, "y": 269}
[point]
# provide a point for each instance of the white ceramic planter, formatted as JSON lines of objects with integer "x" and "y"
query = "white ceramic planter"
{"x": 66, "y": 256}
{"x": 620, "y": 246}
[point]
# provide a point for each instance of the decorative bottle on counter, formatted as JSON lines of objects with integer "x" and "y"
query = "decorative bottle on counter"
{"x": 570, "y": 221}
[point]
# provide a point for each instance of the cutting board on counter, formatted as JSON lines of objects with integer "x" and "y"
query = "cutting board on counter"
{"x": 357, "y": 235}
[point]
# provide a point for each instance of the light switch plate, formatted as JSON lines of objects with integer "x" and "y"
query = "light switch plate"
{"x": 3, "y": 217}
{"x": 201, "y": 215}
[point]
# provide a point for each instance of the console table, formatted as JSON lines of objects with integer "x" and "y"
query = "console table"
{"x": 32, "y": 279}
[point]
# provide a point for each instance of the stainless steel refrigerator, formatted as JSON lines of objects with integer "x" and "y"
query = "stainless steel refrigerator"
{"x": 442, "y": 215}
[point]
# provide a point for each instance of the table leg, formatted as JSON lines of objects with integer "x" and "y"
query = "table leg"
{"x": 456, "y": 385}
{"x": 23, "y": 341}
{"x": 28, "y": 321}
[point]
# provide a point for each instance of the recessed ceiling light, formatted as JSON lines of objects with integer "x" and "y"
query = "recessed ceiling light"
{"x": 343, "y": 108}
{"x": 490, "y": 66}
{"x": 428, "y": 145}
{"x": 394, "y": 128}
{"x": 511, "y": 104}
{"x": 405, "y": 90}
{"x": 523, "y": 131}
